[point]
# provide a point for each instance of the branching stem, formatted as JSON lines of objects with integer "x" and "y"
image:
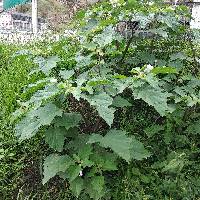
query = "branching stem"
{"x": 126, "y": 50}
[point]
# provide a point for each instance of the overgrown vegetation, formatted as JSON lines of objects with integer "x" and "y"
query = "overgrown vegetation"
{"x": 118, "y": 111}
{"x": 13, "y": 76}
{"x": 19, "y": 163}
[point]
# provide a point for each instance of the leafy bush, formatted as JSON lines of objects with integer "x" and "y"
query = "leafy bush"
{"x": 115, "y": 105}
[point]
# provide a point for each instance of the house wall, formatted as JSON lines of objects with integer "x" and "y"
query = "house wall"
{"x": 195, "y": 22}
{"x": 20, "y": 23}
{"x": 5, "y": 21}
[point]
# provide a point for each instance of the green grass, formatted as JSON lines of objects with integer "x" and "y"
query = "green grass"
{"x": 13, "y": 76}
{"x": 20, "y": 162}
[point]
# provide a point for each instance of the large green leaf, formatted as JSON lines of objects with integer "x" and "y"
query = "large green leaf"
{"x": 83, "y": 61}
{"x": 39, "y": 83}
{"x": 138, "y": 152}
{"x": 154, "y": 97}
{"x": 179, "y": 56}
{"x": 117, "y": 140}
{"x": 154, "y": 129}
{"x": 85, "y": 151}
{"x": 160, "y": 32}
{"x": 47, "y": 113}
{"x": 77, "y": 186}
{"x": 95, "y": 138}
{"x": 41, "y": 95}
{"x": 73, "y": 172}
{"x": 68, "y": 120}
{"x": 47, "y": 64}
{"x": 194, "y": 128}
{"x": 29, "y": 125}
{"x": 124, "y": 146}
{"x": 169, "y": 20}
{"x": 106, "y": 113}
{"x": 95, "y": 188}
{"x": 66, "y": 74}
{"x": 104, "y": 160}
{"x": 119, "y": 84}
{"x": 120, "y": 102}
{"x": 54, "y": 164}
{"x": 55, "y": 137}
{"x": 97, "y": 183}
{"x": 152, "y": 80}
{"x": 78, "y": 143}
{"x": 102, "y": 102}
{"x": 84, "y": 155}
{"x": 175, "y": 165}
{"x": 82, "y": 78}
{"x": 99, "y": 99}
{"x": 106, "y": 37}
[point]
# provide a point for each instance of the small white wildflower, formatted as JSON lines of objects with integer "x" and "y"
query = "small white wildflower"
{"x": 151, "y": 3}
{"x": 148, "y": 68}
{"x": 19, "y": 102}
{"x": 113, "y": 1}
{"x": 81, "y": 173}
{"x": 53, "y": 80}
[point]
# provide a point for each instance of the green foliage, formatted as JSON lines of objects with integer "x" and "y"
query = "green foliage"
{"x": 77, "y": 186}
{"x": 116, "y": 140}
{"x": 120, "y": 102}
{"x": 55, "y": 137}
{"x": 54, "y": 164}
{"x": 88, "y": 105}
{"x": 19, "y": 162}
{"x": 12, "y": 80}
{"x": 124, "y": 146}
{"x": 156, "y": 98}
{"x": 68, "y": 120}
{"x": 13, "y": 77}
{"x": 29, "y": 126}
{"x": 46, "y": 65}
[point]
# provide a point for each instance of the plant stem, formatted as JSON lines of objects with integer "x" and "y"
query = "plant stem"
{"x": 195, "y": 68}
{"x": 125, "y": 51}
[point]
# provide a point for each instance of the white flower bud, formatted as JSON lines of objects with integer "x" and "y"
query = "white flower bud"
{"x": 148, "y": 68}
{"x": 151, "y": 3}
{"x": 81, "y": 173}
{"x": 53, "y": 80}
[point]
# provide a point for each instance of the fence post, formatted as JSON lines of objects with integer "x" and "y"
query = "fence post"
{"x": 34, "y": 17}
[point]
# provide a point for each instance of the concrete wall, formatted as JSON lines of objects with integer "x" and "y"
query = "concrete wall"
{"x": 195, "y": 23}
{"x": 27, "y": 37}
{"x": 5, "y": 21}
{"x": 19, "y": 22}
